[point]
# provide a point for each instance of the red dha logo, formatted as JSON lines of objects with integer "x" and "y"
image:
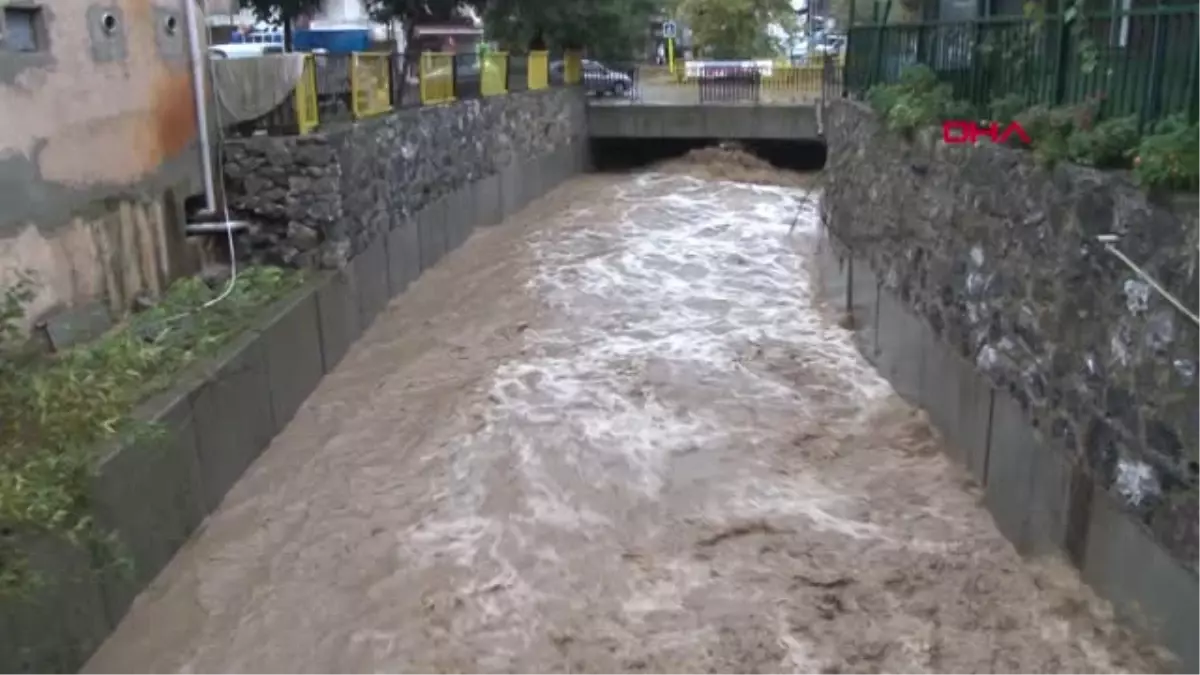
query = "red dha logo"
{"x": 964, "y": 131}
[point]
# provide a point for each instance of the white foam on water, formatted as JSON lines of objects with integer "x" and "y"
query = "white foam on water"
{"x": 640, "y": 361}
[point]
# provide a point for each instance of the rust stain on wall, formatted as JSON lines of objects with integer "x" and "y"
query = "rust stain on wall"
{"x": 174, "y": 114}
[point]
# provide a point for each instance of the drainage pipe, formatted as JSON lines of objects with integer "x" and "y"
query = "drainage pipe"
{"x": 198, "y": 72}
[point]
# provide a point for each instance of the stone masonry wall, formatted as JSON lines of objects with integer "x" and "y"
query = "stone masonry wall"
{"x": 1000, "y": 259}
{"x": 317, "y": 200}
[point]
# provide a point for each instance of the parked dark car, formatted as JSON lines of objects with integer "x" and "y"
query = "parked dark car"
{"x": 599, "y": 79}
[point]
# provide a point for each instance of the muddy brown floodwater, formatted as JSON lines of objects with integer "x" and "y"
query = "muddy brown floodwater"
{"x": 613, "y": 434}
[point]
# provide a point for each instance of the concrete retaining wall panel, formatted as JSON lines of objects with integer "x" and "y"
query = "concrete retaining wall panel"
{"x": 404, "y": 257}
{"x": 531, "y": 181}
{"x": 512, "y": 189}
{"x": 55, "y": 629}
{"x": 940, "y": 395}
{"x": 291, "y": 342}
{"x": 149, "y": 492}
{"x": 1010, "y": 460}
{"x": 233, "y": 416}
{"x": 864, "y": 306}
{"x": 833, "y": 276}
{"x": 371, "y": 275}
{"x": 339, "y": 316}
{"x": 901, "y": 339}
{"x": 489, "y": 210}
{"x": 431, "y": 226}
{"x": 1144, "y": 583}
{"x": 1049, "y": 501}
{"x": 461, "y": 215}
{"x": 971, "y": 435}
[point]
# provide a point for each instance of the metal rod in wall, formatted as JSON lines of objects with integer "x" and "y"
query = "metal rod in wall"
{"x": 1109, "y": 241}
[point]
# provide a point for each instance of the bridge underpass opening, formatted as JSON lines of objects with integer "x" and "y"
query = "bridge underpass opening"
{"x": 625, "y": 154}
{"x": 617, "y": 433}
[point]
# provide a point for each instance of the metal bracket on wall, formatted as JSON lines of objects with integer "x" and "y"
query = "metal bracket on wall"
{"x": 1109, "y": 241}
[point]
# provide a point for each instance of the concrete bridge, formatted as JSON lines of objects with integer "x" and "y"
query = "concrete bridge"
{"x": 789, "y": 122}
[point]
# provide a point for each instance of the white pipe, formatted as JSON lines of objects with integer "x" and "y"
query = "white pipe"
{"x": 206, "y": 160}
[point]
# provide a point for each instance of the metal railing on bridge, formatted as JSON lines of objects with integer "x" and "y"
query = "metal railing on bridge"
{"x": 701, "y": 82}
{"x": 349, "y": 87}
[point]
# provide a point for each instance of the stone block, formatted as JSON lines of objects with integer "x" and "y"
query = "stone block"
{"x": 1012, "y": 454}
{"x": 233, "y": 415}
{"x": 337, "y": 309}
{"x": 148, "y": 491}
{"x": 489, "y": 209}
{"x": 371, "y": 275}
{"x": 431, "y": 226}
{"x": 291, "y": 341}
{"x": 1146, "y": 585}
{"x": 901, "y": 338}
{"x": 404, "y": 256}
{"x": 61, "y": 622}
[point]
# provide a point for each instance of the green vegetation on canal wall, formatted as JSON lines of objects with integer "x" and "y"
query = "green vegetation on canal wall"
{"x": 59, "y": 411}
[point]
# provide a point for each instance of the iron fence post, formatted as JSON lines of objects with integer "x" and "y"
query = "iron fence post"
{"x": 1152, "y": 106}
{"x": 1060, "y": 60}
{"x": 1193, "y": 96}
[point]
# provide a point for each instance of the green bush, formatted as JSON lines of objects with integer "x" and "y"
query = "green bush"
{"x": 1168, "y": 158}
{"x": 1051, "y": 128}
{"x": 1006, "y": 108}
{"x": 1108, "y": 145}
{"x": 56, "y": 411}
{"x": 918, "y": 100}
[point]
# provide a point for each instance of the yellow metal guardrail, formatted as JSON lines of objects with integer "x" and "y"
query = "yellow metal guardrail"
{"x": 572, "y": 67}
{"x": 539, "y": 70}
{"x": 307, "y": 113}
{"x": 437, "y": 77}
{"x": 493, "y": 78}
{"x": 370, "y": 94}
{"x": 794, "y": 80}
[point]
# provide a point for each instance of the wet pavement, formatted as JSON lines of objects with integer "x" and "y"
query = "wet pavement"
{"x": 613, "y": 434}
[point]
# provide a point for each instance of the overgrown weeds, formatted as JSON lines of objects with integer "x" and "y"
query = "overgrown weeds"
{"x": 57, "y": 411}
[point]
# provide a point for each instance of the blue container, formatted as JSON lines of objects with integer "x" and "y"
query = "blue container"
{"x": 334, "y": 41}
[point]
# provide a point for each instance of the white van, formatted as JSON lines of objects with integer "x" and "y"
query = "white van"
{"x": 243, "y": 50}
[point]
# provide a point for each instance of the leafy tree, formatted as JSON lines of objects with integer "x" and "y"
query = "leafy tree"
{"x": 282, "y": 11}
{"x": 726, "y": 29}
{"x": 614, "y": 29}
{"x": 412, "y": 13}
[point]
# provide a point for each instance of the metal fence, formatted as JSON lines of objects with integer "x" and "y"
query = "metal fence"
{"x": 1140, "y": 61}
{"x": 338, "y": 88}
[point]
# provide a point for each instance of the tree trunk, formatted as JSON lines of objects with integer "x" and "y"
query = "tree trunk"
{"x": 538, "y": 43}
